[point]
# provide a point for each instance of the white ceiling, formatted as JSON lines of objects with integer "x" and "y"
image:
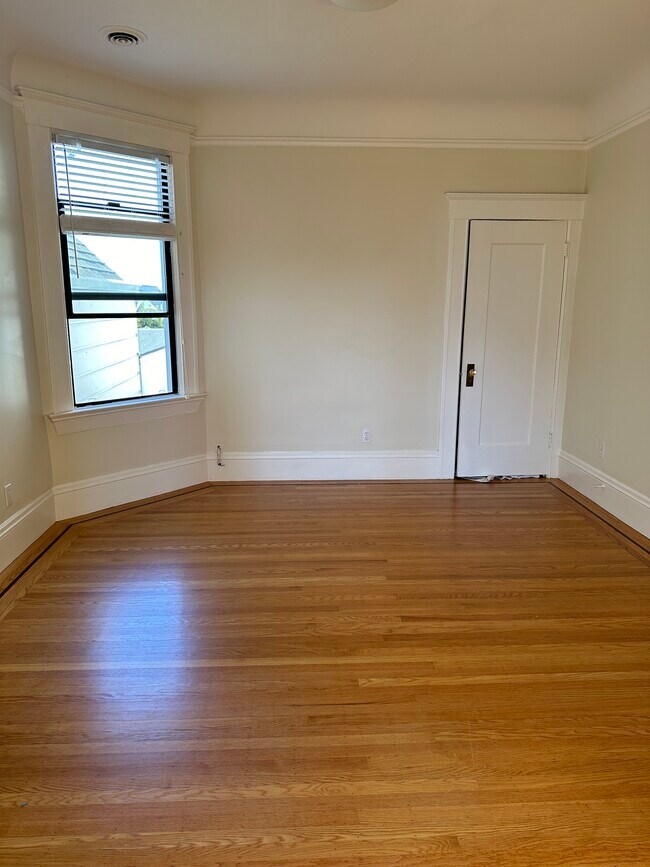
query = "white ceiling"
{"x": 561, "y": 50}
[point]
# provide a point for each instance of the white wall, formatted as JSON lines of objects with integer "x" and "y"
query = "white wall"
{"x": 608, "y": 397}
{"x": 77, "y": 457}
{"x": 323, "y": 274}
{"x": 24, "y": 453}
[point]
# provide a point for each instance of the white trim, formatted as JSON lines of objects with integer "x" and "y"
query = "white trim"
{"x": 102, "y": 492}
{"x": 102, "y": 124}
{"x": 464, "y": 207}
{"x": 116, "y": 414}
{"x": 516, "y": 206}
{"x": 51, "y": 109}
{"x": 20, "y": 530}
{"x": 24, "y": 527}
{"x": 585, "y": 144}
{"x": 574, "y": 230}
{"x": 43, "y": 114}
{"x": 628, "y": 505}
{"x": 330, "y": 465}
{"x": 618, "y": 128}
{"x": 378, "y": 142}
{"x": 115, "y": 489}
{"x": 188, "y": 313}
{"x": 198, "y": 140}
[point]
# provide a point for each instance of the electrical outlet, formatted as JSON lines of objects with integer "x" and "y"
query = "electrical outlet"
{"x": 366, "y": 435}
{"x": 9, "y": 495}
{"x": 601, "y": 450}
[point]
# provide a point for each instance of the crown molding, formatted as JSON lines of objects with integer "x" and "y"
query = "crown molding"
{"x": 329, "y": 141}
{"x": 29, "y": 93}
{"x": 198, "y": 140}
{"x": 618, "y": 128}
{"x": 394, "y": 142}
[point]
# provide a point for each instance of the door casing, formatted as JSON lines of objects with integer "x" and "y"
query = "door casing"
{"x": 464, "y": 207}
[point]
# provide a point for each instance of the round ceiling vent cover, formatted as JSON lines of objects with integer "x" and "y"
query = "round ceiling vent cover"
{"x": 364, "y": 5}
{"x": 123, "y": 36}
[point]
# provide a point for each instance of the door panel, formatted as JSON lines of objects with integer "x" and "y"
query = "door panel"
{"x": 512, "y": 315}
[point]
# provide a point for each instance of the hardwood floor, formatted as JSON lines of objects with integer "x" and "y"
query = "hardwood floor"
{"x": 359, "y": 675}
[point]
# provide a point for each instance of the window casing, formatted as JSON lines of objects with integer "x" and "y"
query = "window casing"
{"x": 117, "y": 230}
{"x": 39, "y": 116}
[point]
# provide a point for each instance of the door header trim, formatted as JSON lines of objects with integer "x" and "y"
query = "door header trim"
{"x": 516, "y": 206}
{"x": 464, "y": 207}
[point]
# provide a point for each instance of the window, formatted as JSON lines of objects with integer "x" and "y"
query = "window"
{"x": 117, "y": 227}
{"x": 109, "y": 215}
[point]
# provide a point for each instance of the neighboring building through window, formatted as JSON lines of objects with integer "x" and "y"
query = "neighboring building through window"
{"x": 117, "y": 229}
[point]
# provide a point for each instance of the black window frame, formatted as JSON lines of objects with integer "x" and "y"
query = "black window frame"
{"x": 167, "y": 297}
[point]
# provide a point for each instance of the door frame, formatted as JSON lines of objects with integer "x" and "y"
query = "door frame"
{"x": 463, "y": 208}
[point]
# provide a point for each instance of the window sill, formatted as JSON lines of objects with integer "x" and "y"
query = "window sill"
{"x": 116, "y": 414}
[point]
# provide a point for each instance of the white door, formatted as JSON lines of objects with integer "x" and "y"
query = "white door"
{"x": 512, "y": 318}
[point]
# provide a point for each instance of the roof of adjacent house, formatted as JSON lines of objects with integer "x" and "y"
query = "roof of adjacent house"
{"x": 88, "y": 263}
{"x": 150, "y": 340}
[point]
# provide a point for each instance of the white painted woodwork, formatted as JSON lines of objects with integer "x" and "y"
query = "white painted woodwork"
{"x": 512, "y": 318}
{"x": 44, "y": 113}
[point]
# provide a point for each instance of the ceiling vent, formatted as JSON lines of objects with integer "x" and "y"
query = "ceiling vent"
{"x": 364, "y": 5}
{"x": 123, "y": 36}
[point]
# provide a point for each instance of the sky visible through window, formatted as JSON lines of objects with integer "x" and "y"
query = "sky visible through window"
{"x": 137, "y": 263}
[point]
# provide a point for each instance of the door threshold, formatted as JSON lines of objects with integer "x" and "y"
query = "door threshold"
{"x": 498, "y": 478}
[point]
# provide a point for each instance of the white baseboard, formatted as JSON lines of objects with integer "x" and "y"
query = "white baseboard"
{"x": 628, "y": 505}
{"x": 324, "y": 466}
{"x": 24, "y": 527}
{"x": 103, "y": 492}
{"x": 88, "y": 495}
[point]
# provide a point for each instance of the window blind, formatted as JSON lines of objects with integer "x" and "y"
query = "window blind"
{"x": 95, "y": 179}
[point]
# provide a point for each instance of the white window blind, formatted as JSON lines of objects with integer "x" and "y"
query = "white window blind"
{"x": 109, "y": 189}
{"x": 116, "y": 217}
